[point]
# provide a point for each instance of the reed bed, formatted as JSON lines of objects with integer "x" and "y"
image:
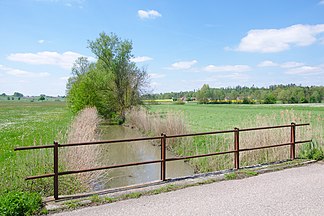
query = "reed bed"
{"x": 174, "y": 123}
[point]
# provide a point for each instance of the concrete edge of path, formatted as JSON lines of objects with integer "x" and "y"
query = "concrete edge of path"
{"x": 117, "y": 194}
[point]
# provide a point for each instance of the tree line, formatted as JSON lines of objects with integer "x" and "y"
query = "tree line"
{"x": 290, "y": 93}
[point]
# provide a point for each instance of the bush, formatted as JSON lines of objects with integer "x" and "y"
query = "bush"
{"x": 20, "y": 203}
{"x": 312, "y": 151}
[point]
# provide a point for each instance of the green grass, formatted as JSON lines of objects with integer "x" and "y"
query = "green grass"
{"x": 209, "y": 117}
{"x": 20, "y": 203}
{"x": 25, "y": 124}
{"x": 213, "y": 117}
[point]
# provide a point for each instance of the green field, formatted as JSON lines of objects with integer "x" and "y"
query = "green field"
{"x": 209, "y": 117}
{"x": 25, "y": 124}
{"x": 203, "y": 118}
{"x": 37, "y": 123}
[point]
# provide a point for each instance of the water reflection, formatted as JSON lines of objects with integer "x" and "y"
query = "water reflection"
{"x": 134, "y": 152}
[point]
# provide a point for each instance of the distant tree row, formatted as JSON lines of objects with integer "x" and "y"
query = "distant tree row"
{"x": 290, "y": 93}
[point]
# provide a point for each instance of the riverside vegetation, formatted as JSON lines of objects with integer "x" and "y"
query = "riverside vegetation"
{"x": 179, "y": 119}
{"x": 39, "y": 123}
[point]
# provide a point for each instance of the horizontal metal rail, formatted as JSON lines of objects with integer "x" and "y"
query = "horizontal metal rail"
{"x": 272, "y": 127}
{"x": 163, "y": 138}
{"x": 93, "y": 169}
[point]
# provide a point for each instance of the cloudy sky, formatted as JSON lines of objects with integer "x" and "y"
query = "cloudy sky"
{"x": 182, "y": 44}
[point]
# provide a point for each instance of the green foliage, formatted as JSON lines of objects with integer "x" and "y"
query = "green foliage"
{"x": 270, "y": 99}
{"x": 17, "y": 94}
{"x": 311, "y": 151}
{"x": 20, "y": 203}
{"x": 133, "y": 195}
{"x": 204, "y": 94}
{"x": 179, "y": 102}
{"x": 25, "y": 124}
{"x": 110, "y": 199}
{"x": 113, "y": 84}
{"x": 230, "y": 176}
{"x": 283, "y": 93}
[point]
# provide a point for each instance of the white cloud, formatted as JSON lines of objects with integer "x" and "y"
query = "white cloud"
{"x": 267, "y": 63}
{"x": 64, "y": 60}
{"x": 149, "y": 14}
{"x": 183, "y": 65}
{"x": 277, "y": 40}
{"x": 156, "y": 75}
{"x": 306, "y": 70}
{"x": 21, "y": 73}
{"x": 141, "y": 59}
{"x": 41, "y": 41}
{"x": 227, "y": 68}
{"x": 291, "y": 64}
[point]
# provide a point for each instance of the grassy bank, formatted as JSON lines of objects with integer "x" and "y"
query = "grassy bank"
{"x": 171, "y": 119}
{"x": 25, "y": 124}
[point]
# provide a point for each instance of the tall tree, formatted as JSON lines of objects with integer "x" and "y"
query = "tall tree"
{"x": 113, "y": 84}
{"x": 126, "y": 79}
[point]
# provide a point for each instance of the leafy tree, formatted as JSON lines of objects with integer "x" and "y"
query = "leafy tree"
{"x": 270, "y": 99}
{"x": 204, "y": 94}
{"x": 42, "y": 97}
{"x": 17, "y": 94}
{"x": 113, "y": 84}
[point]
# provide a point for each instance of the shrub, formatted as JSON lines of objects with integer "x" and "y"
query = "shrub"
{"x": 20, "y": 203}
{"x": 312, "y": 151}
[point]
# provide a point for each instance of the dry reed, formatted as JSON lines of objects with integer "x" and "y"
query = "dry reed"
{"x": 84, "y": 129}
{"x": 173, "y": 123}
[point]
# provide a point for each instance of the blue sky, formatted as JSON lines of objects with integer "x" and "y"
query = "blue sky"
{"x": 182, "y": 44}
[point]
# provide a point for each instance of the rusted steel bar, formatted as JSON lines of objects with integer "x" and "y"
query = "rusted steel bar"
{"x": 169, "y": 159}
{"x": 33, "y": 147}
{"x": 149, "y": 138}
{"x": 237, "y": 148}
{"x": 264, "y": 147}
{"x": 304, "y": 124}
{"x": 198, "y": 156}
{"x": 56, "y": 170}
{"x": 163, "y": 153}
{"x": 199, "y": 134}
{"x": 265, "y": 128}
{"x": 292, "y": 141}
{"x": 272, "y": 127}
{"x": 40, "y": 176}
{"x": 110, "y": 141}
{"x": 109, "y": 167}
{"x": 304, "y": 141}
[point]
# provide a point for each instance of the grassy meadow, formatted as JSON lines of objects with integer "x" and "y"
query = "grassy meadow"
{"x": 25, "y": 123}
{"x": 210, "y": 117}
{"x": 30, "y": 123}
{"x": 203, "y": 118}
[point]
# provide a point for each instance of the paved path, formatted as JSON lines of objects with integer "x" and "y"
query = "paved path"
{"x": 296, "y": 191}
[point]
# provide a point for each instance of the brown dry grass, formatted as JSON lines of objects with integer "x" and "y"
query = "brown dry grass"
{"x": 173, "y": 123}
{"x": 83, "y": 129}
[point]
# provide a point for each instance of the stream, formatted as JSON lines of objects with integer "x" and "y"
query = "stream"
{"x": 120, "y": 153}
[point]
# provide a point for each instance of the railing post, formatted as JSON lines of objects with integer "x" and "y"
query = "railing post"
{"x": 163, "y": 152}
{"x": 237, "y": 148}
{"x": 292, "y": 141}
{"x": 56, "y": 170}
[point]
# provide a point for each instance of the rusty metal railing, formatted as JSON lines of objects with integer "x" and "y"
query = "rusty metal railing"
{"x": 163, "y": 138}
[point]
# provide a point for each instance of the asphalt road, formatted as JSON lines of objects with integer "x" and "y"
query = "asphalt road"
{"x": 296, "y": 191}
